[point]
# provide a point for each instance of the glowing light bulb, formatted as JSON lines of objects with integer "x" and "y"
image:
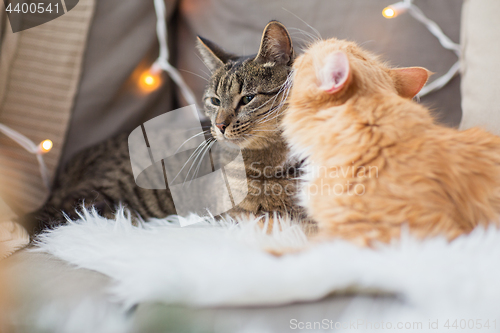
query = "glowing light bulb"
{"x": 149, "y": 81}
{"x": 46, "y": 146}
{"x": 396, "y": 9}
{"x": 388, "y": 13}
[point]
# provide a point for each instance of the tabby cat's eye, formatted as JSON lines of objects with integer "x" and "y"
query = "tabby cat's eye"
{"x": 247, "y": 99}
{"x": 215, "y": 101}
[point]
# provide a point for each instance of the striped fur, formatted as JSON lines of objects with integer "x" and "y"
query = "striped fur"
{"x": 101, "y": 176}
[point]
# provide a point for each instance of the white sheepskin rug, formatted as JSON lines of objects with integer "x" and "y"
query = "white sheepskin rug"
{"x": 225, "y": 264}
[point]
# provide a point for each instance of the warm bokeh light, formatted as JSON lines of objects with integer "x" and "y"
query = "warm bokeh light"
{"x": 46, "y": 146}
{"x": 388, "y": 12}
{"x": 149, "y": 81}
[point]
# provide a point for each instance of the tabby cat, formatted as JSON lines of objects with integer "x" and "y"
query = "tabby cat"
{"x": 245, "y": 99}
{"x": 376, "y": 159}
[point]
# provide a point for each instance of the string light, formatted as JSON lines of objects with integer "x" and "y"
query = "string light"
{"x": 150, "y": 80}
{"x": 45, "y": 146}
{"x": 388, "y": 12}
{"x": 407, "y": 5}
{"x": 162, "y": 63}
{"x": 396, "y": 9}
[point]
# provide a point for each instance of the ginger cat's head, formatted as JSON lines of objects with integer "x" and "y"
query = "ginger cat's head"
{"x": 333, "y": 71}
{"x": 337, "y": 83}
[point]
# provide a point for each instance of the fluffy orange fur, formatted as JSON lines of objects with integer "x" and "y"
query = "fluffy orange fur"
{"x": 362, "y": 132}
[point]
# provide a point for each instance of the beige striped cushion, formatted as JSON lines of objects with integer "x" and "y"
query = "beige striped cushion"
{"x": 40, "y": 69}
{"x": 480, "y": 38}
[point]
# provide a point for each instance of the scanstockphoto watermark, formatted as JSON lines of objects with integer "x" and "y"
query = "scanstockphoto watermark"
{"x": 343, "y": 172}
{"x": 26, "y": 14}
{"x": 361, "y": 324}
{"x": 170, "y": 152}
{"x": 334, "y": 180}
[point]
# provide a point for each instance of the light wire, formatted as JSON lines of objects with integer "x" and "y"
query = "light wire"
{"x": 444, "y": 40}
{"x": 31, "y": 147}
{"x": 162, "y": 61}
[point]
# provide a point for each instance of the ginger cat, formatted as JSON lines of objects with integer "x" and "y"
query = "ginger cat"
{"x": 376, "y": 159}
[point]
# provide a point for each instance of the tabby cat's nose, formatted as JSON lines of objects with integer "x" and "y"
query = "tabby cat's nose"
{"x": 222, "y": 127}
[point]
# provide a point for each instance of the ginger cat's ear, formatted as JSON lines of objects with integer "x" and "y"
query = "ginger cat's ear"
{"x": 335, "y": 73}
{"x": 212, "y": 55}
{"x": 276, "y": 45}
{"x": 409, "y": 81}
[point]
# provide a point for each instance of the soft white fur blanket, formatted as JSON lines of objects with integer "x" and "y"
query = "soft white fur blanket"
{"x": 210, "y": 264}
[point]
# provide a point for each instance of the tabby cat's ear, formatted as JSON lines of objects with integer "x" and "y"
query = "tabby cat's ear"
{"x": 335, "y": 73}
{"x": 213, "y": 56}
{"x": 409, "y": 81}
{"x": 275, "y": 45}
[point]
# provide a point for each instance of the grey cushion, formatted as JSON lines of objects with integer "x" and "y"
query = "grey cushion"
{"x": 122, "y": 43}
{"x": 122, "y": 40}
{"x": 237, "y": 26}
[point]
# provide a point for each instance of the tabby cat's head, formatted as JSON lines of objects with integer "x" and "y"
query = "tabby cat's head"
{"x": 245, "y": 96}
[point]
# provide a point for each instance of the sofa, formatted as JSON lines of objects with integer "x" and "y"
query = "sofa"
{"x": 74, "y": 80}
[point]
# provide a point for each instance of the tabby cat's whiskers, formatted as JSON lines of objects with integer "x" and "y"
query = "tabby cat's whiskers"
{"x": 285, "y": 88}
{"x": 210, "y": 70}
{"x": 211, "y": 142}
{"x": 318, "y": 35}
{"x": 312, "y": 38}
{"x": 198, "y": 75}
{"x": 200, "y": 151}
{"x": 194, "y": 136}
{"x": 200, "y": 146}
